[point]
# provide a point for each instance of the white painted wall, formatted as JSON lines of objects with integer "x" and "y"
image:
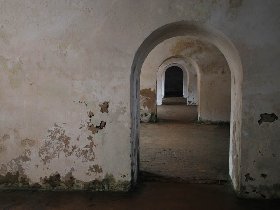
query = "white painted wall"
{"x": 192, "y": 93}
{"x": 215, "y": 91}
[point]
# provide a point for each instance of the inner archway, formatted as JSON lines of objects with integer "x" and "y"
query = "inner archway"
{"x": 173, "y": 85}
{"x": 233, "y": 59}
{"x": 190, "y": 74}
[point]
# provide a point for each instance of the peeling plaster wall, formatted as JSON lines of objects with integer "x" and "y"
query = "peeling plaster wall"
{"x": 58, "y": 56}
{"x": 58, "y": 113}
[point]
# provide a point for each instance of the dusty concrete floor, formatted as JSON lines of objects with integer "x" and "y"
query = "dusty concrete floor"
{"x": 177, "y": 146}
{"x": 150, "y": 195}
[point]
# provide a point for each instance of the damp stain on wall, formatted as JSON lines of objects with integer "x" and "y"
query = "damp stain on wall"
{"x": 148, "y": 99}
{"x": 59, "y": 143}
{"x": 235, "y": 3}
{"x": 14, "y": 180}
{"x": 94, "y": 169}
{"x": 3, "y": 139}
{"x": 248, "y": 177}
{"x": 14, "y": 70}
{"x": 28, "y": 142}
{"x": 104, "y": 107}
{"x": 56, "y": 142}
{"x": 147, "y": 105}
{"x": 13, "y": 173}
{"x": 191, "y": 46}
{"x": 260, "y": 191}
{"x": 57, "y": 182}
{"x": 265, "y": 117}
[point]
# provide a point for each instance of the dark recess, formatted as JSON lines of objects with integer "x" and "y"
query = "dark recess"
{"x": 174, "y": 82}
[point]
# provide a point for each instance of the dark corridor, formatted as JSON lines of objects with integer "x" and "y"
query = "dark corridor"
{"x": 173, "y": 82}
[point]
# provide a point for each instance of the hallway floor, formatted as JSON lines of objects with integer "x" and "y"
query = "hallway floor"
{"x": 149, "y": 195}
{"x": 179, "y": 147}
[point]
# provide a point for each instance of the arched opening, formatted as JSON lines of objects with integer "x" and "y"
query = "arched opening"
{"x": 231, "y": 55}
{"x": 173, "y": 85}
{"x": 190, "y": 88}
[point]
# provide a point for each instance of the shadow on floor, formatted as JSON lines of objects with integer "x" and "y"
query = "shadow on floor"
{"x": 148, "y": 195}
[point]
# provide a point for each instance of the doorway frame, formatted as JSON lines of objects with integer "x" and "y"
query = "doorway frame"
{"x": 223, "y": 43}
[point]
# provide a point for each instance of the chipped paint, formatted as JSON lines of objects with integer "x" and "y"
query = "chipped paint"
{"x": 28, "y": 142}
{"x": 56, "y": 142}
{"x": 95, "y": 128}
{"x": 267, "y": 118}
{"x": 90, "y": 114}
{"x": 148, "y": 105}
{"x": 95, "y": 169}
{"x": 248, "y": 178}
{"x": 104, "y": 107}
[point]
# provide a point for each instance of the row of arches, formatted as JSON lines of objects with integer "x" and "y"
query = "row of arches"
{"x": 189, "y": 77}
{"x": 209, "y": 89}
{"x": 230, "y": 53}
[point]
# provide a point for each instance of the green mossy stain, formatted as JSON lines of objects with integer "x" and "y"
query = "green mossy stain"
{"x": 14, "y": 180}
{"x": 36, "y": 186}
{"x": 153, "y": 118}
{"x": 53, "y": 180}
{"x": 69, "y": 183}
{"x": 107, "y": 184}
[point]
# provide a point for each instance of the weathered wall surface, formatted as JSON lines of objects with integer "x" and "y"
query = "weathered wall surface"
{"x": 59, "y": 60}
{"x": 192, "y": 89}
{"x": 215, "y": 88}
{"x": 62, "y": 118}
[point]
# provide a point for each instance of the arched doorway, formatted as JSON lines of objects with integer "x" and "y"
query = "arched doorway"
{"x": 173, "y": 85}
{"x": 190, "y": 90}
{"x": 234, "y": 62}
